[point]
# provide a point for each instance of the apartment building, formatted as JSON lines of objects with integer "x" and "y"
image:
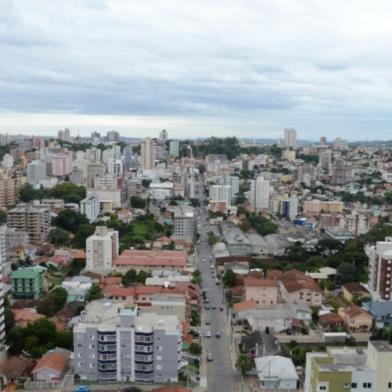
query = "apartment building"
{"x": 90, "y": 206}
{"x": 290, "y": 138}
{"x": 101, "y": 249}
{"x": 36, "y": 172}
{"x": 356, "y": 369}
{"x": 264, "y": 291}
{"x": 184, "y": 223}
{"x": 9, "y": 190}
{"x": 113, "y": 342}
{"x": 28, "y": 283}
{"x": 33, "y": 219}
{"x": 380, "y": 265}
{"x": 147, "y": 156}
{"x": 316, "y": 206}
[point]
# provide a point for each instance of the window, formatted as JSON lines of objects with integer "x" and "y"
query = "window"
{"x": 390, "y": 385}
{"x": 322, "y": 388}
{"x": 367, "y": 385}
{"x": 354, "y": 385}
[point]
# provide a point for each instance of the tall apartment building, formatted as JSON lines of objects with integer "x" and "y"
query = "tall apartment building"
{"x": 9, "y": 189}
{"x": 90, "y": 206}
{"x": 325, "y": 159}
{"x": 112, "y": 136}
{"x": 147, "y": 156}
{"x": 174, "y": 148}
{"x": 290, "y": 138}
{"x": 94, "y": 169}
{"x": 8, "y": 161}
{"x": 108, "y": 189}
{"x": 220, "y": 193}
{"x": 341, "y": 173}
{"x": 113, "y": 342}
{"x": 380, "y": 267}
{"x": 33, "y": 219}
{"x": 2, "y": 263}
{"x": 339, "y": 144}
{"x": 260, "y": 193}
{"x": 36, "y": 171}
{"x": 101, "y": 249}
{"x": 184, "y": 223}
{"x": 163, "y": 135}
{"x": 356, "y": 369}
{"x": 233, "y": 181}
{"x": 286, "y": 207}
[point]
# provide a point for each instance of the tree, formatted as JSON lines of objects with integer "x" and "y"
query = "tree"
{"x": 3, "y": 216}
{"x": 59, "y": 237}
{"x": 138, "y": 202}
{"x": 129, "y": 278}
{"x": 245, "y": 363}
{"x": 146, "y": 183}
{"x": 262, "y": 225}
{"x": 195, "y": 318}
{"x": 70, "y": 220}
{"x": 94, "y": 293}
{"x": 195, "y": 348}
{"x": 196, "y": 277}
{"x": 229, "y": 278}
{"x": 53, "y": 302}
{"x": 345, "y": 273}
{"x": 82, "y": 233}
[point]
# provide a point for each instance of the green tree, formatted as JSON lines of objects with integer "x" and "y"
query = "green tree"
{"x": 195, "y": 348}
{"x": 229, "y": 278}
{"x": 245, "y": 363}
{"x": 53, "y": 302}
{"x": 82, "y": 233}
{"x": 129, "y": 278}
{"x": 345, "y": 273}
{"x": 94, "y": 293}
{"x": 262, "y": 225}
{"x": 3, "y": 216}
{"x": 70, "y": 220}
{"x": 138, "y": 202}
{"x": 195, "y": 318}
{"x": 59, "y": 237}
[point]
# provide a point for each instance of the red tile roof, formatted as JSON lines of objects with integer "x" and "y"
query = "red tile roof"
{"x": 249, "y": 281}
{"x": 295, "y": 280}
{"x": 244, "y": 305}
{"x": 53, "y": 360}
{"x": 171, "y": 258}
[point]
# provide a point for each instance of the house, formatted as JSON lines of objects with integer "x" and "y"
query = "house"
{"x": 16, "y": 368}
{"x": 264, "y": 291}
{"x": 330, "y": 321}
{"x": 381, "y": 312}
{"x": 353, "y": 291}
{"x": 297, "y": 287}
{"x": 356, "y": 319}
{"x": 52, "y": 366}
{"x": 77, "y": 288}
{"x": 259, "y": 343}
{"x": 25, "y": 316}
{"x": 276, "y": 373}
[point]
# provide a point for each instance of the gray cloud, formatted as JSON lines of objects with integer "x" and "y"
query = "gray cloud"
{"x": 249, "y": 68}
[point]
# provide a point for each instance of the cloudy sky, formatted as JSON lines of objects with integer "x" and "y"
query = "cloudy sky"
{"x": 197, "y": 67}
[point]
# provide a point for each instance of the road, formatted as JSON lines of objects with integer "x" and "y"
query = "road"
{"x": 221, "y": 374}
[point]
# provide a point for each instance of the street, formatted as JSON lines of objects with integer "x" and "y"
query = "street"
{"x": 221, "y": 373}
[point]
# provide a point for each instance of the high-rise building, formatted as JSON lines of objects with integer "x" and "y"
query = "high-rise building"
{"x": 65, "y": 135}
{"x": 339, "y": 144}
{"x": 233, "y": 181}
{"x": 127, "y": 157}
{"x": 9, "y": 189}
{"x": 261, "y": 190}
{"x": 34, "y": 219}
{"x": 112, "y": 136}
{"x": 36, "y": 172}
{"x": 94, "y": 170}
{"x": 174, "y": 148}
{"x": 113, "y": 342}
{"x": 380, "y": 268}
{"x": 323, "y": 140}
{"x": 325, "y": 159}
{"x": 220, "y": 193}
{"x": 101, "y": 249}
{"x": 342, "y": 173}
{"x": 90, "y": 206}
{"x": 290, "y": 138}
{"x": 184, "y": 223}
{"x": 147, "y": 154}
{"x": 8, "y": 161}
{"x": 163, "y": 136}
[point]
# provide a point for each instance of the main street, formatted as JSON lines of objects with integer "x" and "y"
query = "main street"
{"x": 221, "y": 373}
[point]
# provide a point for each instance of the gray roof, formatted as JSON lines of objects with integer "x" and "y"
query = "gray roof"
{"x": 378, "y": 308}
{"x": 275, "y": 367}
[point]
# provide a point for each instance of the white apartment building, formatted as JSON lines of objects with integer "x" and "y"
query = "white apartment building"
{"x": 220, "y": 193}
{"x": 36, "y": 172}
{"x": 290, "y": 138}
{"x": 161, "y": 190}
{"x": 101, "y": 249}
{"x": 184, "y": 223}
{"x": 90, "y": 206}
{"x": 260, "y": 193}
{"x": 147, "y": 158}
{"x": 174, "y": 148}
{"x": 113, "y": 342}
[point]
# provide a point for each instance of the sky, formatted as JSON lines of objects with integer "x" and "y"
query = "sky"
{"x": 197, "y": 68}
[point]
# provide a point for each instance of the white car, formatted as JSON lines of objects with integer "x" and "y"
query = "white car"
{"x": 208, "y": 334}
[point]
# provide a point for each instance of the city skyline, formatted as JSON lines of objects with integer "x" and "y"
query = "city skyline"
{"x": 250, "y": 71}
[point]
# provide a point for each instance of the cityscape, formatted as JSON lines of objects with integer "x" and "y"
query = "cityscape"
{"x": 195, "y": 196}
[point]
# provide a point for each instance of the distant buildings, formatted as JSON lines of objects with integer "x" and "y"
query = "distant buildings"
{"x": 112, "y": 136}
{"x": 174, "y": 148}
{"x": 101, "y": 249}
{"x": 147, "y": 157}
{"x": 36, "y": 171}
{"x": 260, "y": 193}
{"x": 112, "y": 342}
{"x": 90, "y": 206}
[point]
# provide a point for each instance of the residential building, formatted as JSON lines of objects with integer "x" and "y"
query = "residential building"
{"x": 101, "y": 249}
{"x": 380, "y": 265}
{"x": 381, "y": 311}
{"x": 264, "y": 291}
{"x": 350, "y": 369}
{"x": 288, "y": 155}
{"x": 36, "y": 172}
{"x": 112, "y": 136}
{"x": 28, "y": 283}
{"x": 147, "y": 156}
{"x": 276, "y": 373}
{"x": 233, "y": 181}
{"x": 8, "y": 161}
{"x": 316, "y": 206}
{"x": 151, "y": 260}
{"x": 174, "y": 148}
{"x": 287, "y": 207}
{"x": 356, "y": 319}
{"x": 220, "y": 194}
{"x": 325, "y": 159}
{"x": 260, "y": 190}
{"x": 52, "y": 366}
{"x": 342, "y": 173}
{"x": 112, "y": 342}
{"x": 3, "y": 260}
{"x": 90, "y": 206}
{"x": 9, "y": 191}
{"x": 184, "y": 223}
{"x": 354, "y": 291}
{"x": 290, "y": 138}
{"x": 77, "y": 288}
{"x": 33, "y": 219}
{"x": 161, "y": 190}
{"x": 94, "y": 170}
{"x": 237, "y": 243}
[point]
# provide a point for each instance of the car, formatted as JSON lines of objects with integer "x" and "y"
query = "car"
{"x": 221, "y": 308}
{"x": 206, "y": 307}
{"x": 213, "y": 307}
{"x": 208, "y": 322}
{"x": 208, "y": 334}
{"x": 206, "y": 301}
{"x": 217, "y": 334}
{"x": 210, "y": 358}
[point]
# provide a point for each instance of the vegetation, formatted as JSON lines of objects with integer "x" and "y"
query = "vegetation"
{"x": 212, "y": 238}
{"x": 132, "y": 277}
{"x": 67, "y": 191}
{"x": 70, "y": 220}
{"x": 53, "y": 302}
{"x": 59, "y": 237}
{"x": 229, "y": 278}
{"x": 196, "y": 277}
{"x": 245, "y": 363}
{"x": 94, "y": 293}
{"x": 262, "y": 225}
{"x": 37, "y": 338}
{"x": 138, "y": 202}
{"x": 195, "y": 348}
{"x": 195, "y": 318}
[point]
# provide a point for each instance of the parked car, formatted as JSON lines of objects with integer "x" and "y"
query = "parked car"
{"x": 208, "y": 334}
{"x": 210, "y": 358}
{"x": 217, "y": 334}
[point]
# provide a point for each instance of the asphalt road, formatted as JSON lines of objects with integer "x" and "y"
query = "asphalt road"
{"x": 221, "y": 375}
